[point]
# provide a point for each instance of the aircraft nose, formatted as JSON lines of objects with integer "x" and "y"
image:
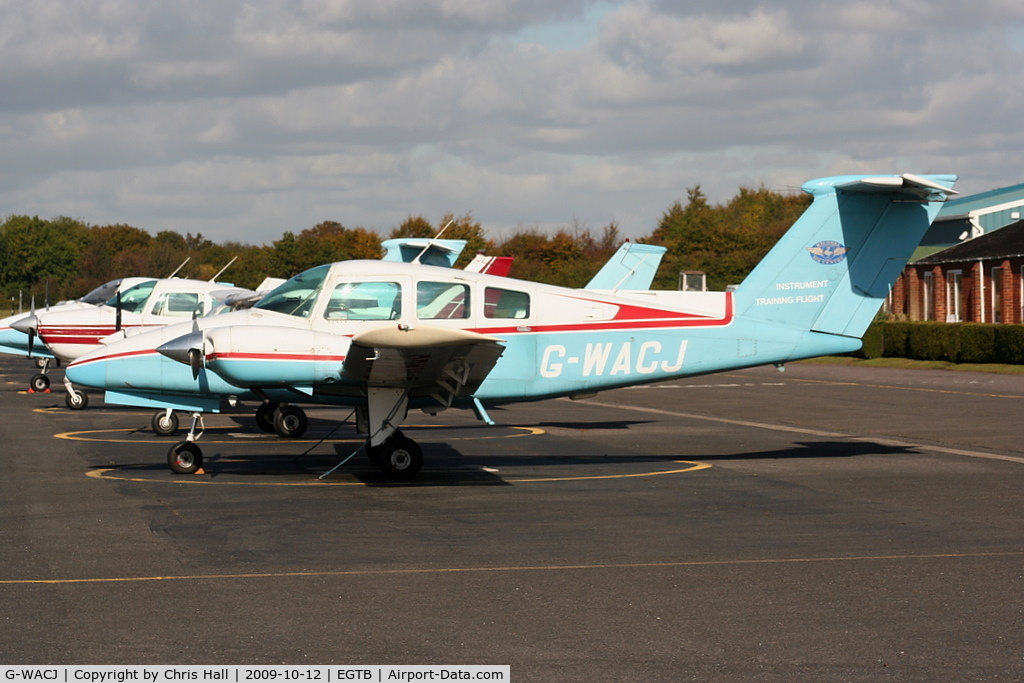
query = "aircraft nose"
{"x": 179, "y": 349}
{"x": 87, "y": 374}
{"x": 29, "y": 324}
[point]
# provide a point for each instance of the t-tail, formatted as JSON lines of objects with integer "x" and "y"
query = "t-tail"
{"x": 829, "y": 274}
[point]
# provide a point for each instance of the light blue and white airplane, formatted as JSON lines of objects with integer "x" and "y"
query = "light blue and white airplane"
{"x": 387, "y": 337}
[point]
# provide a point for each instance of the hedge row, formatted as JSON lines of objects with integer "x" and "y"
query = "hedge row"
{"x": 954, "y": 342}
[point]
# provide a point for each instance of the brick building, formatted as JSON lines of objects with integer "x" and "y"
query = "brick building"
{"x": 980, "y": 280}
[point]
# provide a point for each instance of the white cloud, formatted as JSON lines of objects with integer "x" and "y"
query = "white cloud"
{"x": 242, "y": 120}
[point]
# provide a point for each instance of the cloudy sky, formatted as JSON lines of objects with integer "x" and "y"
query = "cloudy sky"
{"x": 241, "y": 119}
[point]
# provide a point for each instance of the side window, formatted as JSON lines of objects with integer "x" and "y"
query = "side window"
{"x": 179, "y": 305}
{"x": 441, "y": 300}
{"x": 365, "y": 301}
{"x": 506, "y": 303}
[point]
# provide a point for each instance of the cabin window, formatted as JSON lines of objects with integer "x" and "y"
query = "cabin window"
{"x": 506, "y": 303}
{"x": 133, "y": 299}
{"x": 179, "y": 305}
{"x": 297, "y": 295}
{"x": 365, "y": 301}
{"x": 442, "y": 300}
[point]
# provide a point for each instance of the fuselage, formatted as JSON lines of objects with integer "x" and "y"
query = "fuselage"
{"x": 557, "y": 341}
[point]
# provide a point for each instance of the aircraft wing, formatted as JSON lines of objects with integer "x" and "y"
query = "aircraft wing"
{"x": 424, "y": 361}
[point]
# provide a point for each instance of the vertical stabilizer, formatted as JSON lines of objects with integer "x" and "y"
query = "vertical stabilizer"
{"x": 633, "y": 266}
{"x": 833, "y": 269}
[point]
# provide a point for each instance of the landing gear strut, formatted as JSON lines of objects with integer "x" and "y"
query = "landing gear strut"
{"x": 75, "y": 399}
{"x": 185, "y": 457}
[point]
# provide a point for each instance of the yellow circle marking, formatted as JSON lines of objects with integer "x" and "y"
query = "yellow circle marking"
{"x": 104, "y": 473}
{"x": 252, "y": 437}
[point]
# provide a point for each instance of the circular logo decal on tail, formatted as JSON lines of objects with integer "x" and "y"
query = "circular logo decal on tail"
{"x": 827, "y": 252}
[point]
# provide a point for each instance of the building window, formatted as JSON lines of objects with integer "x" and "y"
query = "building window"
{"x": 997, "y": 295}
{"x": 954, "y": 296}
{"x": 928, "y": 297}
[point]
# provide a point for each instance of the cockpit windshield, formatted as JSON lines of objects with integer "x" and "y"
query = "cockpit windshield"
{"x": 102, "y": 294}
{"x": 296, "y": 296}
{"x": 133, "y": 299}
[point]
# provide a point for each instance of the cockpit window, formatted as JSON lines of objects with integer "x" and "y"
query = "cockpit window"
{"x": 296, "y": 296}
{"x": 133, "y": 299}
{"x": 102, "y": 294}
{"x": 365, "y": 301}
{"x": 441, "y": 300}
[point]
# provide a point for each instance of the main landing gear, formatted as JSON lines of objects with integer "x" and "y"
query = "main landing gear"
{"x": 186, "y": 457}
{"x": 286, "y": 420}
{"x": 399, "y": 457}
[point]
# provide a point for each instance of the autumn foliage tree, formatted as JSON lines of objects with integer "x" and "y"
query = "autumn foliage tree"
{"x": 64, "y": 258}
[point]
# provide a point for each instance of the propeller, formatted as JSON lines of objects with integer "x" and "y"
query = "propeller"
{"x": 187, "y": 349}
{"x": 30, "y": 326}
{"x": 117, "y": 313}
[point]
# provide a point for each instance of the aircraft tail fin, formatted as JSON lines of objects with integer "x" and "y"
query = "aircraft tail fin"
{"x": 633, "y": 266}
{"x": 833, "y": 269}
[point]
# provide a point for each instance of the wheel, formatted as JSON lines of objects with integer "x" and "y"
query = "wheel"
{"x": 399, "y": 457}
{"x": 265, "y": 417}
{"x": 290, "y": 421}
{"x": 41, "y": 363}
{"x": 185, "y": 458}
{"x": 164, "y": 424}
{"x": 39, "y": 383}
{"x": 76, "y": 401}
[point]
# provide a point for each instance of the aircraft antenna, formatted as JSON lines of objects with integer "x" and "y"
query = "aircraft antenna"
{"x": 221, "y": 271}
{"x": 179, "y": 267}
{"x": 432, "y": 240}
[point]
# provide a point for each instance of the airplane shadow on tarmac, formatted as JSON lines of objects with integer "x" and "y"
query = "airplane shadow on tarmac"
{"x": 813, "y": 449}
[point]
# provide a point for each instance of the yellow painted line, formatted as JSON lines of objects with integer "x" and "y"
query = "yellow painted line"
{"x": 106, "y": 473}
{"x": 253, "y": 437}
{"x": 442, "y": 571}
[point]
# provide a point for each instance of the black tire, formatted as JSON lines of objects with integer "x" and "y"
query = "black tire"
{"x": 164, "y": 424}
{"x": 265, "y": 417}
{"x": 76, "y": 401}
{"x": 399, "y": 457}
{"x": 39, "y": 383}
{"x": 185, "y": 458}
{"x": 290, "y": 421}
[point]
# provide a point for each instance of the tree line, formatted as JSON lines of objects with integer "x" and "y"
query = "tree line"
{"x": 63, "y": 258}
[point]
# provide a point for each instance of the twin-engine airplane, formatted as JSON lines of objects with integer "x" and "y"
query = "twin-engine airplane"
{"x": 387, "y": 337}
{"x": 130, "y": 305}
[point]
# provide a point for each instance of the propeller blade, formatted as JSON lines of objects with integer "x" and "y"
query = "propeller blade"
{"x": 195, "y": 361}
{"x": 117, "y": 313}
